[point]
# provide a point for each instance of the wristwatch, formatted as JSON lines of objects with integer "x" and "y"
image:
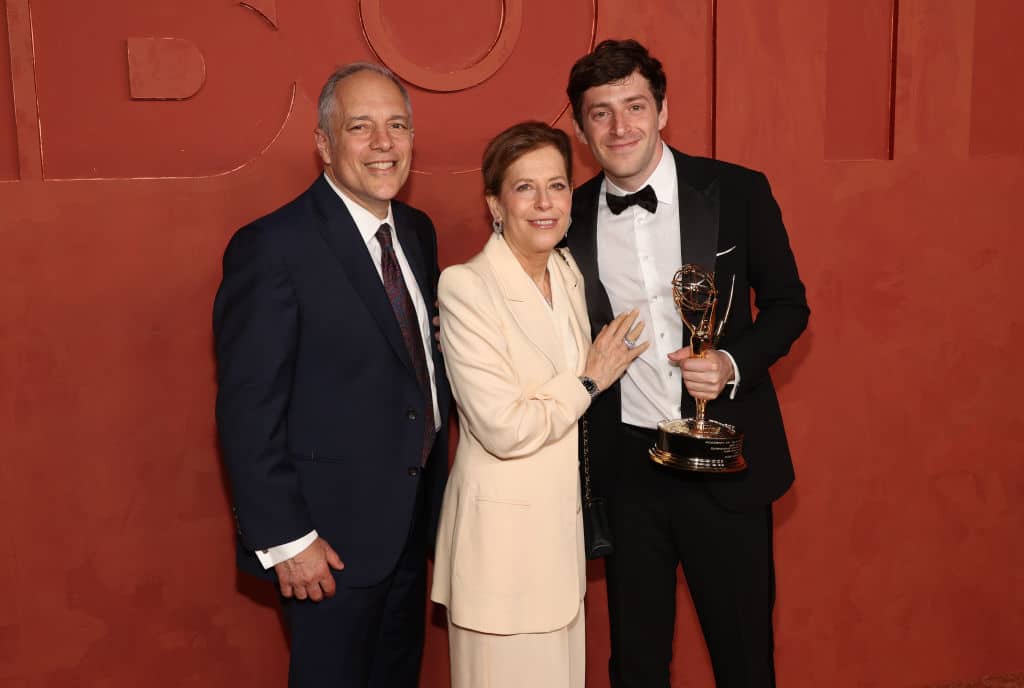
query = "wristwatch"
{"x": 588, "y": 384}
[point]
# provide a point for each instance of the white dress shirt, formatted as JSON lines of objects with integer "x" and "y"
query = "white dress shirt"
{"x": 368, "y": 224}
{"x": 638, "y": 253}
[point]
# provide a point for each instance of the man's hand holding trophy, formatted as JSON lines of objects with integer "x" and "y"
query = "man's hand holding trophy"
{"x": 699, "y": 444}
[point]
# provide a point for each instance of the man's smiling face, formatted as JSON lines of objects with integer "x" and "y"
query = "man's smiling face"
{"x": 622, "y": 125}
{"x": 368, "y": 150}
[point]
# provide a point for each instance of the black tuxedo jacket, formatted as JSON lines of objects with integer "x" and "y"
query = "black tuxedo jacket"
{"x": 319, "y": 413}
{"x": 752, "y": 245}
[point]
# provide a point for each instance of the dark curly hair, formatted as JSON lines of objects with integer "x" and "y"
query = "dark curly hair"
{"x": 613, "y": 60}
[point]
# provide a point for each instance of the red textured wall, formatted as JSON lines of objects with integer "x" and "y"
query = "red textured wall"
{"x": 894, "y": 147}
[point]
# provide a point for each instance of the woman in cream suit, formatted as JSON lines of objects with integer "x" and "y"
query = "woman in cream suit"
{"x": 509, "y": 564}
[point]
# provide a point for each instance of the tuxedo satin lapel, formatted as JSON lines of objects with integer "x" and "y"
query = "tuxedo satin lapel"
{"x": 523, "y": 300}
{"x": 698, "y": 224}
{"x": 341, "y": 234}
{"x": 720, "y": 237}
{"x": 699, "y": 214}
{"x": 699, "y": 209}
{"x": 582, "y": 235}
{"x": 582, "y": 241}
{"x": 409, "y": 237}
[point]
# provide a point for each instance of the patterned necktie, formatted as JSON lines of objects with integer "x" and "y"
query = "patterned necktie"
{"x": 645, "y": 198}
{"x": 408, "y": 323}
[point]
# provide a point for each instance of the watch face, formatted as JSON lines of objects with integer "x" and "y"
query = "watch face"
{"x": 589, "y": 385}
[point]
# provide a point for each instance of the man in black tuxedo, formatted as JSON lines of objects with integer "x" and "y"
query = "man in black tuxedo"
{"x": 332, "y": 396}
{"x": 651, "y": 210}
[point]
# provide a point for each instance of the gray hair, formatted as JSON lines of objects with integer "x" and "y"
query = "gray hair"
{"x": 327, "y": 103}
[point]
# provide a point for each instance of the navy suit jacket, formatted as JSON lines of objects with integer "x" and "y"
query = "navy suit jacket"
{"x": 319, "y": 413}
{"x": 753, "y": 246}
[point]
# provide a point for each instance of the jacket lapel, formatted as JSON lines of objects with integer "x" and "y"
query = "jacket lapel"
{"x": 699, "y": 215}
{"x": 523, "y": 301}
{"x": 582, "y": 241}
{"x": 410, "y": 234}
{"x": 341, "y": 235}
{"x": 571, "y": 277}
{"x": 409, "y": 237}
{"x": 699, "y": 208}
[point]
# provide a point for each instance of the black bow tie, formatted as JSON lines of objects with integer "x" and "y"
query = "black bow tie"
{"x": 645, "y": 198}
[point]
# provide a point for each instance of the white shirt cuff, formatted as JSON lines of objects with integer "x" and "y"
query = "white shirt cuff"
{"x": 735, "y": 381}
{"x": 272, "y": 556}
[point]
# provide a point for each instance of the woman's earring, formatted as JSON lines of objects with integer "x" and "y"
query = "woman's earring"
{"x": 496, "y": 224}
{"x": 567, "y": 226}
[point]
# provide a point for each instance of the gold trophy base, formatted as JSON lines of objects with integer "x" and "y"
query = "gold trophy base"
{"x": 707, "y": 446}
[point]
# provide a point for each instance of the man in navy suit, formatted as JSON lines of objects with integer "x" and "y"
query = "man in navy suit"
{"x": 332, "y": 399}
{"x": 651, "y": 210}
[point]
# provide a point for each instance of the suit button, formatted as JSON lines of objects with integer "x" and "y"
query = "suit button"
{"x": 413, "y": 472}
{"x": 411, "y": 414}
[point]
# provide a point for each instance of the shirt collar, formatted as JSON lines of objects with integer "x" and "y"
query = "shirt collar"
{"x": 366, "y": 222}
{"x": 662, "y": 180}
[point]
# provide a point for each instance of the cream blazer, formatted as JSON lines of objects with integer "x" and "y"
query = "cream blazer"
{"x": 509, "y": 555}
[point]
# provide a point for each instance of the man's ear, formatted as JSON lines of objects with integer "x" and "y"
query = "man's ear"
{"x": 323, "y": 145}
{"x": 663, "y": 114}
{"x": 580, "y": 134}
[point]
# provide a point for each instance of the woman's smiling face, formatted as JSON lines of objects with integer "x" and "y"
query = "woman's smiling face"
{"x": 535, "y": 202}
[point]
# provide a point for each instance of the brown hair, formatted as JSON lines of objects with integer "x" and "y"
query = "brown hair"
{"x": 515, "y": 142}
{"x": 612, "y": 61}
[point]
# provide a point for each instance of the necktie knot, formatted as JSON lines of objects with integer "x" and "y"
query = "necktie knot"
{"x": 645, "y": 198}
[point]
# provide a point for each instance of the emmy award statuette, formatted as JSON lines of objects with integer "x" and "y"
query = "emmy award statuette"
{"x": 699, "y": 444}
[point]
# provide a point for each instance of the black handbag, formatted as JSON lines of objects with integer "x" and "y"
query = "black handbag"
{"x": 597, "y": 534}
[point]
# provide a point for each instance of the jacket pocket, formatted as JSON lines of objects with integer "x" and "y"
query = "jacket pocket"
{"x": 493, "y": 540}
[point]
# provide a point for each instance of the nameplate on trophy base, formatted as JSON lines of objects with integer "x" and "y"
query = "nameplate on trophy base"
{"x": 712, "y": 447}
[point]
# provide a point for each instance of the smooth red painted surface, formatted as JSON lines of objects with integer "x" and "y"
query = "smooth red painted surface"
{"x": 858, "y": 79}
{"x": 8, "y": 137}
{"x": 899, "y": 549}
